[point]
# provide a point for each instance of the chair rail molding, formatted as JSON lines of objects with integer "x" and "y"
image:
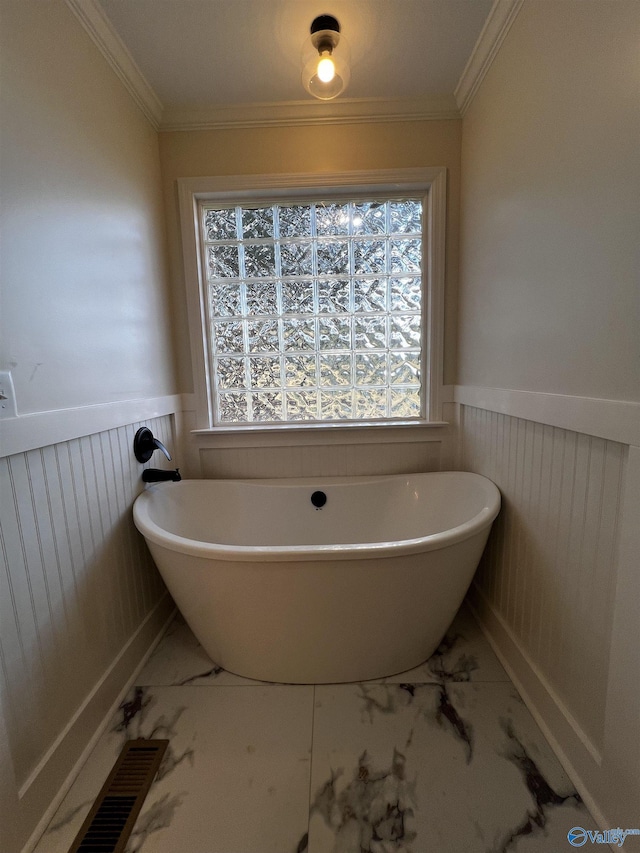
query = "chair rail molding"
{"x": 614, "y": 420}
{"x": 27, "y": 432}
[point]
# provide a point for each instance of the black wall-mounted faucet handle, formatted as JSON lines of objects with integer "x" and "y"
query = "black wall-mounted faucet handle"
{"x": 145, "y": 443}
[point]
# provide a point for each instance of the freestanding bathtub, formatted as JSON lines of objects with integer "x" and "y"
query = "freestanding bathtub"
{"x": 278, "y": 588}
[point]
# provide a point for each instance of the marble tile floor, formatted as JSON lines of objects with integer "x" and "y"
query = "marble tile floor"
{"x": 443, "y": 758}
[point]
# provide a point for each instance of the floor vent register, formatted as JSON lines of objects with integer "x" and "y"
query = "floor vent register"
{"x": 112, "y": 817}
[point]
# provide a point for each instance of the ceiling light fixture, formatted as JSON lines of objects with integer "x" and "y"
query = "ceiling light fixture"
{"x": 325, "y": 59}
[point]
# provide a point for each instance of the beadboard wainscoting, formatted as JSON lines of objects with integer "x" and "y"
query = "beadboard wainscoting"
{"x": 558, "y": 567}
{"x": 549, "y": 568}
{"x": 81, "y": 603}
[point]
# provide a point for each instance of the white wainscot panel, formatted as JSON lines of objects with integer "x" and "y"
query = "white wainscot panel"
{"x": 549, "y": 567}
{"x": 316, "y": 461}
{"x": 77, "y": 580}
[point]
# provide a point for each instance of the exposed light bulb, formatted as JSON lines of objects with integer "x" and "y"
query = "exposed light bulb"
{"x": 326, "y": 67}
{"x": 325, "y": 59}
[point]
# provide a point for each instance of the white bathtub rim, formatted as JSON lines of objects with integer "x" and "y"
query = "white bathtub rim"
{"x": 290, "y": 553}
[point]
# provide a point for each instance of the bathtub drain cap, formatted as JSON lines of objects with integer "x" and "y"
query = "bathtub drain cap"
{"x": 318, "y": 499}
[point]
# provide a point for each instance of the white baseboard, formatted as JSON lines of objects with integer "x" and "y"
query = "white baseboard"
{"x": 92, "y": 718}
{"x": 578, "y": 755}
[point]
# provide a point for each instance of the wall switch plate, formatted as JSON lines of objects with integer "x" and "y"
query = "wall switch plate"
{"x": 7, "y": 396}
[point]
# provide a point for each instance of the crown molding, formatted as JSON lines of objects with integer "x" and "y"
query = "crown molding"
{"x": 297, "y": 113}
{"x": 502, "y": 15}
{"x": 109, "y": 43}
{"x": 310, "y": 112}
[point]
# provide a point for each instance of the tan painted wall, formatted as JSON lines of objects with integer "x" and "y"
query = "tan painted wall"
{"x": 549, "y": 298}
{"x": 84, "y": 288}
{"x": 549, "y": 274}
{"x": 310, "y": 149}
{"x": 84, "y": 320}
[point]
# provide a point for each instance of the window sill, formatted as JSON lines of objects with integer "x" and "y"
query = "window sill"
{"x": 371, "y": 432}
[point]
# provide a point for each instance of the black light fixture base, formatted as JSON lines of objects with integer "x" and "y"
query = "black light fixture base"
{"x": 325, "y": 22}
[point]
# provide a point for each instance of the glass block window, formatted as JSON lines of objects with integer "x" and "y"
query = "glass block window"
{"x": 315, "y": 310}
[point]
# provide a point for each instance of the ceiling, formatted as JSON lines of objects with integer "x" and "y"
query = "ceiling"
{"x": 201, "y": 57}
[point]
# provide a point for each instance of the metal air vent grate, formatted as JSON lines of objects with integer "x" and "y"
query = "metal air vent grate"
{"x": 113, "y": 815}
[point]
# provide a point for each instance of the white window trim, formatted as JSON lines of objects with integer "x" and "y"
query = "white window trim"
{"x": 430, "y": 181}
